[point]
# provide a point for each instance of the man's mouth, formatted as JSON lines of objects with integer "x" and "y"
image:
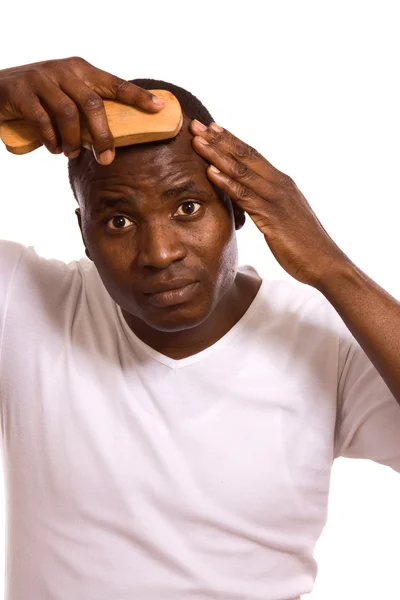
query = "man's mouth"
{"x": 172, "y": 295}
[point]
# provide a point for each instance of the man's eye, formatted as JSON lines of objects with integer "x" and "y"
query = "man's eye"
{"x": 187, "y": 209}
{"x": 117, "y": 222}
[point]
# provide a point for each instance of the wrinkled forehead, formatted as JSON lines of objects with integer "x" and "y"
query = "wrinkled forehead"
{"x": 153, "y": 164}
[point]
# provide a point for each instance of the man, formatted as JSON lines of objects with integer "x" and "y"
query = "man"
{"x": 169, "y": 420}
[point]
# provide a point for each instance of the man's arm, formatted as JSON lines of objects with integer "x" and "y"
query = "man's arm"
{"x": 302, "y": 246}
{"x": 372, "y": 316}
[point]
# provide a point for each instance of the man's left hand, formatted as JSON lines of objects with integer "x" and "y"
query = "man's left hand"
{"x": 292, "y": 231}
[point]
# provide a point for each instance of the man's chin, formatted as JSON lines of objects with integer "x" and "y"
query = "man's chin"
{"x": 171, "y": 321}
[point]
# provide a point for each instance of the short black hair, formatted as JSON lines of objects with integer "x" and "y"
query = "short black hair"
{"x": 191, "y": 108}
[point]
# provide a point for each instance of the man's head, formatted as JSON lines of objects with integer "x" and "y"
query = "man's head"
{"x": 152, "y": 218}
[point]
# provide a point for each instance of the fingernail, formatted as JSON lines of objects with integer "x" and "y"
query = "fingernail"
{"x": 216, "y": 127}
{"x": 105, "y": 158}
{"x": 58, "y": 150}
{"x": 158, "y": 102}
{"x": 212, "y": 168}
{"x": 203, "y": 141}
{"x": 73, "y": 154}
{"x": 199, "y": 125}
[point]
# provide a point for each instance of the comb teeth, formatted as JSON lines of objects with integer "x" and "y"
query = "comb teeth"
{"x": 128, "y": 125}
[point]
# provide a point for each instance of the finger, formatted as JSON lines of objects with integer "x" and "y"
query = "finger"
{"x": 91, "y": 106}
{"x": 226, "y": 142}
{"x": 39, "y": 120}
{"x": 245, "y": 198}
{"x": 112, "y": 87}
{"x": 63, "y": 112}
{"x": 131, "y": 94}
{"x": 237, "y": 171}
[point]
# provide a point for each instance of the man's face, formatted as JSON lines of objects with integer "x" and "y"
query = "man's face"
{"x": 170, "y": 227}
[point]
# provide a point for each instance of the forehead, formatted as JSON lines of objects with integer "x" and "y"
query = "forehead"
{"x": 151, "y": 166}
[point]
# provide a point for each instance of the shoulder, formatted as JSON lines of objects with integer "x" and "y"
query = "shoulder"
{"x": 27, "y": 274}
{"x": 298, "y": 309}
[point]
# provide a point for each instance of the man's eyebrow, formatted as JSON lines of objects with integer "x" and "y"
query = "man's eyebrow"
{"x": 189, "y": 187}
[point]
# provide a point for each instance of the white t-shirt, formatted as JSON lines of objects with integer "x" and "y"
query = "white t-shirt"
{"x": 132, "y": 475}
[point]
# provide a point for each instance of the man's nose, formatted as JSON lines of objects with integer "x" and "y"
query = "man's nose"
{"x": 160, "y": 246}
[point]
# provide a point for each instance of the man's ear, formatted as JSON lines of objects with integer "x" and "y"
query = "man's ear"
{"x": 239, "y": 216}
{"x": 78, "y": 214}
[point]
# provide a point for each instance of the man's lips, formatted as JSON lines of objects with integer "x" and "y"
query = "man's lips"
{"x": 172, "y": 293}
{"x": 165, "y": 286}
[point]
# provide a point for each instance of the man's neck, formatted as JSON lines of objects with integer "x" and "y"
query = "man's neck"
{"x": 181, "y": 344}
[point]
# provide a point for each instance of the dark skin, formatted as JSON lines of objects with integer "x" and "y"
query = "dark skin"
{"x": 155, "y": 237}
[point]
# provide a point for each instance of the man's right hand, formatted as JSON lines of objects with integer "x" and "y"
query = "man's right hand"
{"x": 50, "y": 96}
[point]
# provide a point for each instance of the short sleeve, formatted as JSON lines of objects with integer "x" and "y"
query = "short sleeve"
{"x": 10, "y": 256}
{"x": 33, "y": 291}
{"x": 368, "y": 415}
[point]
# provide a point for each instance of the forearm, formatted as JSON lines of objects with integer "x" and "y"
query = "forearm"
{"x": 372, "y": 316}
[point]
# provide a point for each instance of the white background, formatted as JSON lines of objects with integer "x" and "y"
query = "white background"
{"x": 314, "y": 86}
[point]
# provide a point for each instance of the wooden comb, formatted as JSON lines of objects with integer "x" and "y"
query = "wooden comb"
{"x": 128, "y": 125}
